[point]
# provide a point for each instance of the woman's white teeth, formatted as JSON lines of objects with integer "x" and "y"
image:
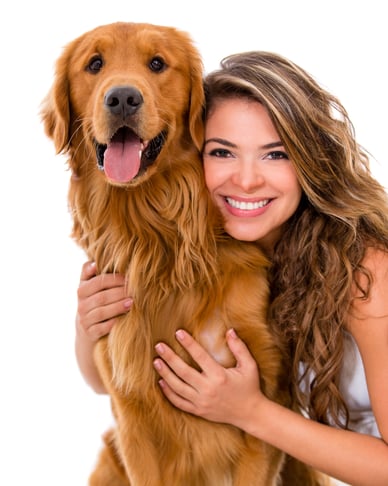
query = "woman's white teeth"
{"x": 247, "y": 206}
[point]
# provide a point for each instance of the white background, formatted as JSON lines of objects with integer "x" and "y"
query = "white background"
{"x": 51, "y": 421}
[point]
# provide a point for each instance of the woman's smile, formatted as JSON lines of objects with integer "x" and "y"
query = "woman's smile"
{"x": 248, "y": 172}
{"x": 246, "y": 207}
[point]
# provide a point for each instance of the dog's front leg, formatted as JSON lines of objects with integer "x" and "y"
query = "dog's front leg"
{"x": 109, "y": 470}
{"x": 259, "y": 465}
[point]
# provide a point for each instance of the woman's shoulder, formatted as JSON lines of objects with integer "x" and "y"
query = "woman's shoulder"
{"x": 368, "y": 315}
{"x": 376, "y": 263}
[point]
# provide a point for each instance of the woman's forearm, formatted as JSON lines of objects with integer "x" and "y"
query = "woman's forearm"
{"x": 353, "y": 458}
{"x": 84, "y": 349}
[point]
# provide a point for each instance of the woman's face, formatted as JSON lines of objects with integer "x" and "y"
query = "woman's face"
{"x": 248, "y": 172}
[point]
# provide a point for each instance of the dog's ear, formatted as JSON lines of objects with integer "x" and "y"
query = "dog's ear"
{"x": 55, "y": 108}
{"x": 197, "y": 100}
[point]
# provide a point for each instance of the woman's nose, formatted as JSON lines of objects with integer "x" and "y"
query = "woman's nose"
{"x": 248, "y": 176}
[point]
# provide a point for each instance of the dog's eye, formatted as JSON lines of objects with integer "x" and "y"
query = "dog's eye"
{"x": 157, "y": 64}
{"x": 95, "y": 65}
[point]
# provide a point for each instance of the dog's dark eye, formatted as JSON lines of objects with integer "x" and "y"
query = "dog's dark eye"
{"x": 95, "y": 65}
{"x": 157, "y": 64}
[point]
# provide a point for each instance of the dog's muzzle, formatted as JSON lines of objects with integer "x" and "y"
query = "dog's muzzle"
{"x": 127, "y": 155}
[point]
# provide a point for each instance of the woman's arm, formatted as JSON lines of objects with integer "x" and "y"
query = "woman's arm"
{"x": 368, "y": 323}
{"x": 233, "y": 396}
{"x": 101, "y": 298}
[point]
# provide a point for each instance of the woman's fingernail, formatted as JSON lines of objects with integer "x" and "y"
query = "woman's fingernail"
{"x": 128, "y": 303}
{"x": 232, "y": 333}
{"x": 161, "y": 383}
{"x": 160, "y": 348}
{"x": 180, "y": 335}
{"x": 157, "y": 364}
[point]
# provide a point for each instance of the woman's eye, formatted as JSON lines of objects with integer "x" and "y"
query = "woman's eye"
{"x": 219, "y": 152}
{"x": 277, "y": 155}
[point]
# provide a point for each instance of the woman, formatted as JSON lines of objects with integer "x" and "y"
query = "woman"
{"x": 282, "y": 164}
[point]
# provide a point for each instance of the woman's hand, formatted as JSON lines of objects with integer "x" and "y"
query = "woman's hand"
{"x": 101, "y": 299}
{"x": 215, "y": 393}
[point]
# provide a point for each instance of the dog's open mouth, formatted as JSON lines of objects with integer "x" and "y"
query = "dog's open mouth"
{"x": 127, "y": 156}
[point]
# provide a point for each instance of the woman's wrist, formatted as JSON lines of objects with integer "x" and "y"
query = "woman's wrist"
{"x": 252, "y": 418}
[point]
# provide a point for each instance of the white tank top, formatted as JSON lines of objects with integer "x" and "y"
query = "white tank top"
{"x": 355, "y": 391}
{"x": 353, "y": 388}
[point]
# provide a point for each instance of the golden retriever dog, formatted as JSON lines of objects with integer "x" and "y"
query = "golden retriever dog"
{"x": 126, "y": 108}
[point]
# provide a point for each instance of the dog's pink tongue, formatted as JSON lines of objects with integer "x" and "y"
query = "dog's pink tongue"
{"x": 122, "y": 157}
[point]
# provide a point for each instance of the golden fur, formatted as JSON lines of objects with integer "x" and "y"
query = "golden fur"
{"x": 161, "y": 230}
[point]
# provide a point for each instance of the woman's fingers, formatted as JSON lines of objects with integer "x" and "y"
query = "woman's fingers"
{"x": 185, "y": 386}
{"x": 98, "y": 283}
{"x": 212, "y": 393}
{"x": 101, "y": 298}
{"x": 179, "y": 381}
{"x": 239, "y": 350}
{"x": 88, "y": 270}
{"x": 175, "y": 370}
{"x": 108, "y": 303}
{"x": 103, "y": 305}
{"x": 176, "y": 399}
{"x": 203, "y": 359}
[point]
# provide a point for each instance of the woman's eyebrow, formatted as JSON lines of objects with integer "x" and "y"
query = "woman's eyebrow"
{"x": 272, "y": 145}
{"x": 222, "y": 141}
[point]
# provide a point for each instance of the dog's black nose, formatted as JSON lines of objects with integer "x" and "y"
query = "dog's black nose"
{"x": 123, "y": 100}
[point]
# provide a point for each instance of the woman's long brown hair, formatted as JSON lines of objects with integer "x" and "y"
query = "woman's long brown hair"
{"x": 343, "y": 211}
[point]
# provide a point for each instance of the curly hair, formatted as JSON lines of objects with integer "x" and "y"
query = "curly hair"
{"x": 343, "y": 210}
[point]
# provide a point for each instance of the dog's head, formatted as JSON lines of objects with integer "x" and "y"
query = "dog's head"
{"x": 123, "y": 93}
